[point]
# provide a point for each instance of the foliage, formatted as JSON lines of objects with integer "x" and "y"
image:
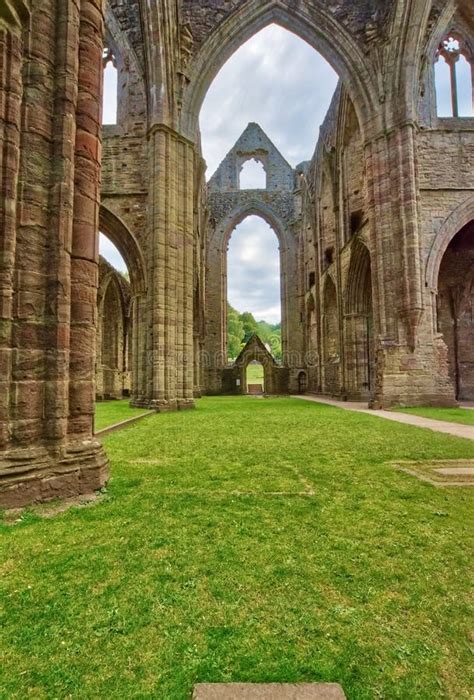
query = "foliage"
{"x": 248, "y": 540}
{"x": 241, "y": 327}
{"x": 235, "y": 332}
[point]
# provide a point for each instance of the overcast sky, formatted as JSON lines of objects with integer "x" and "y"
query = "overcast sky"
{"x": 288, "y": 95}
{"x": 279, "y": 81}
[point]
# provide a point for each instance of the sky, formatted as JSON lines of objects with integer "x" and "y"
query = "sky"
{"x": 289, "y": 95}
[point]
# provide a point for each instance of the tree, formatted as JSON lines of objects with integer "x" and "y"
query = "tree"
{"x": 235, "y": 332}
{"x": 250, "y": 325}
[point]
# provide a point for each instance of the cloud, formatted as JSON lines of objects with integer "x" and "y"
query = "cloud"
{"x": 289, "y": 93}
{"x": 253, "y": 274}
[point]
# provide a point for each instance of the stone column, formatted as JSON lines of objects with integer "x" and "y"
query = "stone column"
{"x": 404, "y": 344}
{"x": 170, "y": 300}
{"x": 11, "y": 47}
{"x": 139, "y": 393}
{"x": 49, "y": 449}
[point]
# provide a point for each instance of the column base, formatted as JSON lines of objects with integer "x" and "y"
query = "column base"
{"x": 36, "y": 474}
{"x": 162, "y": 405}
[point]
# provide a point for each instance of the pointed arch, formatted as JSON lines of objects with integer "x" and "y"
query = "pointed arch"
{"x": 253, "y": 207}
{"x": 316, "y": 25}
{"x": 459, "y": 217}
{"x": 358, "y": 296}
{"x": 123, "y": 239}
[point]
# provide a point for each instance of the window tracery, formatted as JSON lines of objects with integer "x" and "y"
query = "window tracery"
{"x": 454, "y": 77}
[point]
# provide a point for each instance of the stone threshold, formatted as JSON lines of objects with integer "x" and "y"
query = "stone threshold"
{"x": 268, "y": 691}
{"x": 122, "y": 424}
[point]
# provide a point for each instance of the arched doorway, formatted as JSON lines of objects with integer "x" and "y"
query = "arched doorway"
{"x": 127, "y": 248}
{"x": 113, "y": 335}
{"x": 330, "y": 339}
{"x": 359, "y": 326}
{"x": 302, "y": 383}
{"x": 455, "y": 310}
{"x": 255, "y": 378}
{"x": 253, "y": 280}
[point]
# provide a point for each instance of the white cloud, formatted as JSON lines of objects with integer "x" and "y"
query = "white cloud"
{"x": 253, "y": 275}
{"x": 289, "y": 93}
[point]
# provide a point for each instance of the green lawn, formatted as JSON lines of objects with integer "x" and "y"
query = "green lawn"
{"x": 453, "y": 415}
{"x": 247, "y": 541}
{"x": 111, "y": 412}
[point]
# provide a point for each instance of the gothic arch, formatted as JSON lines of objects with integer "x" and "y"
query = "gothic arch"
{"x": 321, "y": 31}
{"x": 121, "y": 236}
{"x": 241, "y": 212}
{"x": 458, "y": 218}
{"x": 358, "y": 296}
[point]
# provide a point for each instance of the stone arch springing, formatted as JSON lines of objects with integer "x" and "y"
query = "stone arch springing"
{"x": 456, "y": 220}
{"x": 359, "y": 325}
{"x": 322, "y": 32}
{"x": 121, "y": 236}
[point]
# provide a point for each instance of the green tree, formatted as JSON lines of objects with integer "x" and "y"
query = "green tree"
{"x": 235, "y": 332}
{"x": 250, "y": 325}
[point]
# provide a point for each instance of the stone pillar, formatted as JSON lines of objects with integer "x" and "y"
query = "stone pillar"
{"x": 11, "y": 47}
{"x": 404, "y": 345}
{"x": 170, "y": 300}
{"x": 48, "y": 335}
{"x": 138, "y": 390}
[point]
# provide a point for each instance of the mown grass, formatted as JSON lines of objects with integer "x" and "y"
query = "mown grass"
{"x": 255, "y": 374}
{"x": 247, "y": 540}
{"x": 110, "y": 412}
{"x": 465, "y": 416}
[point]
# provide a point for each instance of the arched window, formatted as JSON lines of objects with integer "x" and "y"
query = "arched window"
{"x": 110, "y": 91}
{"x": 454, "y": 78}
{"x": 253, "y": 175}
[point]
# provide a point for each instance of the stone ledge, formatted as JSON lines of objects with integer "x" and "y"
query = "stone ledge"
{"x": 268, "y": 691}
{"x": 122, "y": 424}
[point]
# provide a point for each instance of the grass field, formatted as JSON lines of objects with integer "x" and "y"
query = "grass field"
{"x": 111, "y": 412}
{"x": 453, "y": 415}
{"x": 247, "y": 541}
{"x": 255, "y": 374}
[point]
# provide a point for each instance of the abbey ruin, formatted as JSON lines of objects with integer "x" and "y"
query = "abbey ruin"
{"x": 376, "y": 232}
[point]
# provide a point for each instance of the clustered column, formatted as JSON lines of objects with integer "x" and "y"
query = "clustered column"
{"x": 170, "y": 301}
{"x": 49, "y": 265}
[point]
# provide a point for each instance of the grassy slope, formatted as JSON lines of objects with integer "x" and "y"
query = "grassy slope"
{"x": 453, "y": 415}
{"x": 196, "y": 569}
{"x": 110, "y": 412}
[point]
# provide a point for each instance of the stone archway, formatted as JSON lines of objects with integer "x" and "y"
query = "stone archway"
{"x": 455, "y": 309}
{"x": 359, "y": 326}
{"x": 314, "y": 24}
{"x": 216, "y": 282}
{"x": 331, "y": 339}
{"x": 120, "y": 235}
